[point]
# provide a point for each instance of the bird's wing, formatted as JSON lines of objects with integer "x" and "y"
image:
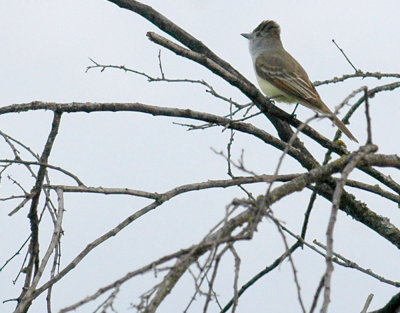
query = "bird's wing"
{"x": 284, "y": 72}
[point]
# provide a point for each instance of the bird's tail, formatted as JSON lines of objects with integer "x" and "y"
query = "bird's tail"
{"x": 343, "y": 127}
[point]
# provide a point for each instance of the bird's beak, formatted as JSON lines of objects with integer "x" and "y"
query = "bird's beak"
{"x": 247, "y": 36}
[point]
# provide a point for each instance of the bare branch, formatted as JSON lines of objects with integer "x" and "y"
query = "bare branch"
{"x": 28, "y": 296}
{"x": 367, "y": 303}
{"x": 344, "y": 54}
{"x": 368, "y": 117}
{"x": 33, "y": 265}
{"x": 363, "y": 151}
{"x": 57, "y": 168}
{"x": 345, "y": 262}
{"x": 178, "y": 190}
{"x": 376, "y": 189}
{"x": 358, "y": 74}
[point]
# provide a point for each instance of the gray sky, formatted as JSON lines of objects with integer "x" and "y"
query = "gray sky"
{"x": 44, "y": 54}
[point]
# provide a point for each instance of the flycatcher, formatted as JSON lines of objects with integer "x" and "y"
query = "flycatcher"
{"x": 280, "y": 76}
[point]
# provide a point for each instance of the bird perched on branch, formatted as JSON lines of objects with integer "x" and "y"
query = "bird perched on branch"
{"x": 281, "y": 77}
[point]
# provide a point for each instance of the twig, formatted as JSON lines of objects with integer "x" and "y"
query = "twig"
{"x": 344, "y": 54}
{"x": 211, "y": 293}
{"x": 15, "y": 254}
{"x": 210, "y": 89}
{"x": 317, "y": 294}
{"x": 367, "y": 303}
{"x": 259, "y": 275}
{"x": 347, "y": 99}
{"x": 371, "y": 93}
{"x": 57, "y": 168}
{"x": 160, "y": 64}
{"x": 342, "y": 261}
{"x": 33, "y": 264}
{"x": 368, "y": 117}
{"x": 236, "y": 278}
{"x": 358, "y": 74}
{"x": 285, "y": 151}
{"x": 355, "y": 158}
{"x": 229, "y": 157}
{"x": 376, "y": 189}
{"x": 223, "y": 183}
{"x": 291, "y": 261}
{"x": 28, "y": 296}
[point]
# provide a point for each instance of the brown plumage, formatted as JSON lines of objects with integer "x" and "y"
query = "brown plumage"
{"x": 281, "y": 77}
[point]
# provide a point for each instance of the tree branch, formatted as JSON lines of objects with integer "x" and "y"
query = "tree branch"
{"x": 33, "y": 265}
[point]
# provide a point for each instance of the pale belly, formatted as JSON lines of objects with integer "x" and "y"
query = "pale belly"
{"x": 273, "y": 92}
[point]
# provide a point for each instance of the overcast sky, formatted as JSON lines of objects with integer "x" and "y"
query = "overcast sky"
{"x": 45, "y": 49}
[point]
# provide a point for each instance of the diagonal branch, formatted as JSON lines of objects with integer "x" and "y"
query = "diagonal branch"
{"x": 169, "y": 27}
{"x": 195, "y": 45}
{"x": 273, "y": 113}
{"x": 337, "y": 195}
{"x": 263, "y": 203}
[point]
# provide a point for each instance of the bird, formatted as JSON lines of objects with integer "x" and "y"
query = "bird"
{"x": 280, "y": 76}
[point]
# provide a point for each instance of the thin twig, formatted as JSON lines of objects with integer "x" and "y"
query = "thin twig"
{"x": 367, "y": 303}
{"x": 28, "y": 296}
{"x": 236, "y": 278}
{"x": 359, "y": 74}
{"x": 345, "y": 262}
{"x": 368, "y": 117}
{"x": 57, "y": 168}
{"x": 210, "y": 89}
{"x": 355, "y": 158}
{"x": 344, "y": 54}
{"x": 317, "y": 294}
{"x": 15, "y": 254}
{"x": 291, "y": 261}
